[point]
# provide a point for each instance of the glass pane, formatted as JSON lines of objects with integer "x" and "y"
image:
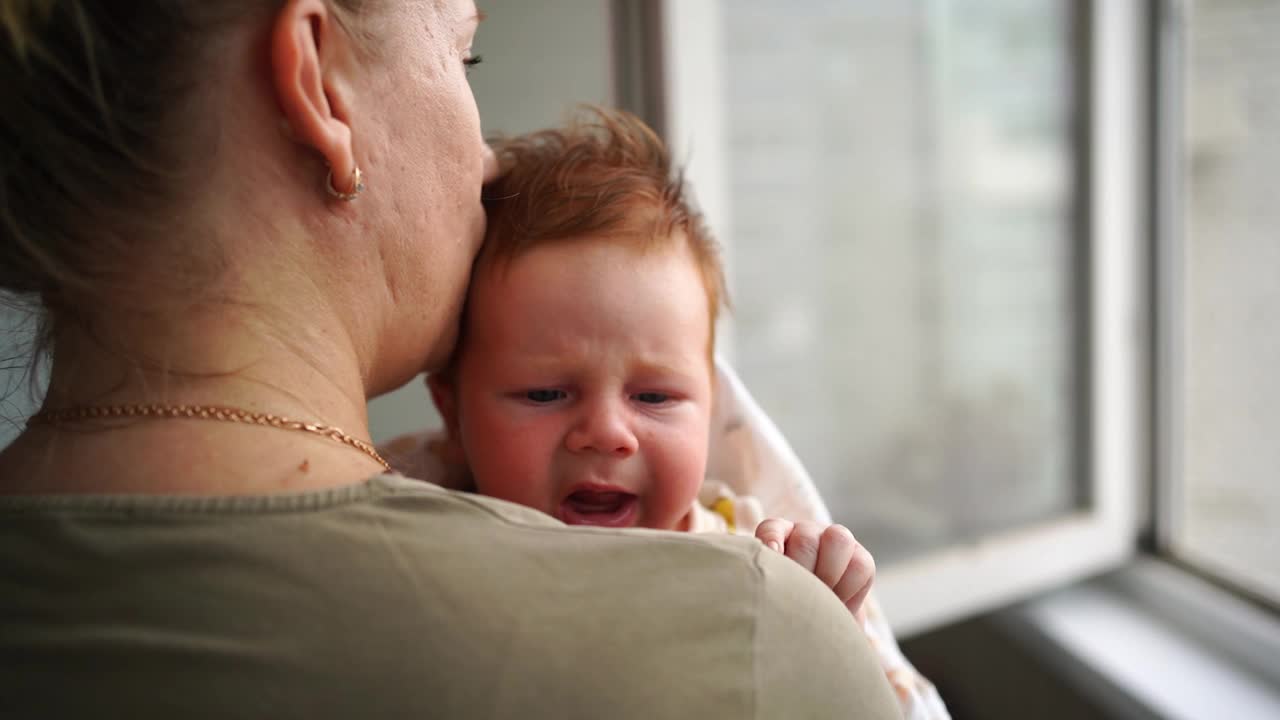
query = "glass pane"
{"x": 1230, "y": 503}
{"x": 18, "y": 394}
{"x": 902, "y": 255}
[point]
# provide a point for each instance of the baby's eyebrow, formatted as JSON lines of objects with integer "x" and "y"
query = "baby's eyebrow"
{"x": 547, "y": 361}
{"x": 657, "y": 367}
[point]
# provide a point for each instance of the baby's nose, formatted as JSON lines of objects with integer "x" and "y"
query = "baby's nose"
{"x": 603, "y": 429}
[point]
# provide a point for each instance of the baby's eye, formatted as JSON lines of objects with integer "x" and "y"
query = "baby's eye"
{"x": 651, "y": 398}
{"x": 542, "y": 395}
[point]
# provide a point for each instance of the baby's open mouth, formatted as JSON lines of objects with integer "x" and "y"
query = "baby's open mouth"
{"x": 608, "y": 508}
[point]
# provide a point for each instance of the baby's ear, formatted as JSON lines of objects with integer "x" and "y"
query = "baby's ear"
{"x": 449, "y": 448}
{"x": 445, "y": 399}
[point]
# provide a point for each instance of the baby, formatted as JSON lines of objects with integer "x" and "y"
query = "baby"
{"x": 583, "y": 379}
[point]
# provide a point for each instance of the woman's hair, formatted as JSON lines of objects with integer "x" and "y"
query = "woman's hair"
{"x": 97, "y": 137}
{"x": 606, "y": 176}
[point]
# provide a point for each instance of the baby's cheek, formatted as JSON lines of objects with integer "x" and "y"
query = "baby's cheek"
{"x": 683, "y": 467}
{"x": 511, "y": 462}
{"x": 494, "y": 465}
{"x": 490, "y": 461}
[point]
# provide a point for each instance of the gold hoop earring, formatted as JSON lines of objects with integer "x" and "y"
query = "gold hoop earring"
{"x": 357, "y": 186}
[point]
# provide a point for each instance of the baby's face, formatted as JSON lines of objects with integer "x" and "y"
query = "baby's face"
{"x": 584, "y": 389}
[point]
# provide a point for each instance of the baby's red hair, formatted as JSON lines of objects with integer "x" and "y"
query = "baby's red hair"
{"x": 605, "y": 176}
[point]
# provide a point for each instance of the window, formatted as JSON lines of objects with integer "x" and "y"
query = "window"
{"x": 1222, "y": 336}
{"x": 17, "y": 394}
{"x": 906, "y": 262}
{"x": 932, "y": 217}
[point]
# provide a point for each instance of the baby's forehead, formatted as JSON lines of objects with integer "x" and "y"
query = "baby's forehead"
{"x": 564, "y": 298}
{"x": 507, "y": 284}
{"x": 601, "y": 275}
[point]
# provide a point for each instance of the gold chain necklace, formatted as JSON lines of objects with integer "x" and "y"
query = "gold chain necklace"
{"x": 202, "y": 412}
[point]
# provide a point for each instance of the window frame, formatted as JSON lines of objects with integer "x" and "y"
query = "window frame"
{"x": 1170, "y": 201}
{"x": 964, "y": 579}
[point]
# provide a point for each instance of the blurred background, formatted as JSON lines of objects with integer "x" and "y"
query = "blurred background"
{"x": 1005, "y": 274}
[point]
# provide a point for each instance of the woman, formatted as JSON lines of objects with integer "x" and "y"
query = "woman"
{"x": 241, "y": 220}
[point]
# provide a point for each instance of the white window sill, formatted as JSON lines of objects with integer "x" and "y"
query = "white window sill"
{"x": 1153, "y": 641}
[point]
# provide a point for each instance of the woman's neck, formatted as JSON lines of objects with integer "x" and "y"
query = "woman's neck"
{"x": 265, "y": 360}
{"x": 304, "y": 368}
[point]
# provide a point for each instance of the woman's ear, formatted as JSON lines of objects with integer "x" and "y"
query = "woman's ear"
{"x": 311, "y": 61}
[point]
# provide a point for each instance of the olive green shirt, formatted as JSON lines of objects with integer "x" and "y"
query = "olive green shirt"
{"x": 393, "y": 598}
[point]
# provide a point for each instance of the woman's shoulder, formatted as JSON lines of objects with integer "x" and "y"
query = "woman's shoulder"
{"x": 389, "y": 532}
{"x": 415, "y": 599}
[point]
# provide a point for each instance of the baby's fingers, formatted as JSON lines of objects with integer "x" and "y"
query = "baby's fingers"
{"x": 859, "y": 575}
{"x": 774, "y": 533}
{"x": 802, "y": 545}
{"x": 836, "y": 548}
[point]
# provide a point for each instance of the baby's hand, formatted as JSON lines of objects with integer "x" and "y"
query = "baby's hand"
{"x": 830, "y": 552}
